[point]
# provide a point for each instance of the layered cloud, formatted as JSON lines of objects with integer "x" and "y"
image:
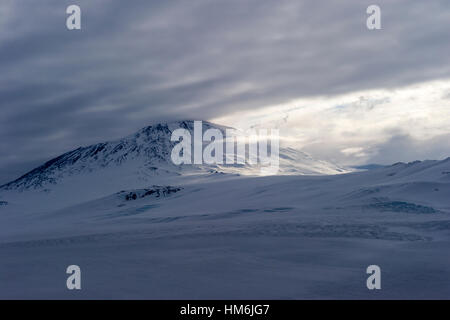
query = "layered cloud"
{"x": 141, "y": 62}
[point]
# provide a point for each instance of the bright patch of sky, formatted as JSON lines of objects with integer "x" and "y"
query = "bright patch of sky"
{"x": 353, "y": 128}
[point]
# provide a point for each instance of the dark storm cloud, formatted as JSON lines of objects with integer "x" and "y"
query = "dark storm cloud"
{"x": 139, "y": 62}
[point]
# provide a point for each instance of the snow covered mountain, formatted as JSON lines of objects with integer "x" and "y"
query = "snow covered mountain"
{"x": 147, "y": 149}
{"x": 143, "y": 157}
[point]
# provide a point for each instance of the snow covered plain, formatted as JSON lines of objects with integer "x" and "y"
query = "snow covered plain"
{"x": 212, "y": 235}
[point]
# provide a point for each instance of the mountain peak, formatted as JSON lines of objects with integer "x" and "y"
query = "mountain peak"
{"x": 144, "y": 155}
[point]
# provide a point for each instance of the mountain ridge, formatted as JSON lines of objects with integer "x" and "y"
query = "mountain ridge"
{"x": 150, "y": 148}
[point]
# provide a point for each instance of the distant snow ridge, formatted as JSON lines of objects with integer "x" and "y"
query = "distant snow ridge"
{"x": 148, "y": 153}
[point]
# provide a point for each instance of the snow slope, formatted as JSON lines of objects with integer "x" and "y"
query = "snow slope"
{"x": 280, "y": 237}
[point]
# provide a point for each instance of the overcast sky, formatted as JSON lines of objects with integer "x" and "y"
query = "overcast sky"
{"x": 339, "y": 90}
